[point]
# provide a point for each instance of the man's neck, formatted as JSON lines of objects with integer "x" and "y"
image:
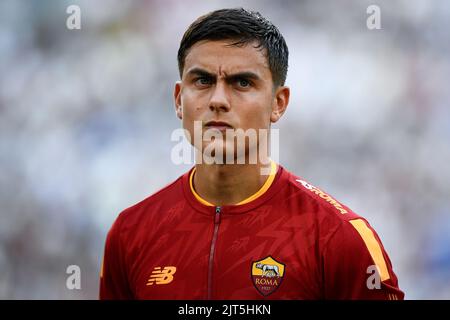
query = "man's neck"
{"x": 228, "y": 184}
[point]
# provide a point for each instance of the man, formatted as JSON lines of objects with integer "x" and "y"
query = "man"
{"x": 225, "y": 230}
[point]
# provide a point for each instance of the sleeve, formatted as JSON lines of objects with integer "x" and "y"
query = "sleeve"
{"x": 113, "y": 278}
{"x": 356, "y": 266}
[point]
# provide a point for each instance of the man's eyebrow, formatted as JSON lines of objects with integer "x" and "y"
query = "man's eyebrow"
{"x": 244, "y": 75}
{"x": 199, "y": 72}
{"x": 238, "y": 75}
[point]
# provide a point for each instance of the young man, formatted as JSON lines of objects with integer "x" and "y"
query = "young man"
{"x": 226, "y": 231}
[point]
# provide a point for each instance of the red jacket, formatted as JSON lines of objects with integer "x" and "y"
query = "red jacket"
{"x": 292, "y": 242}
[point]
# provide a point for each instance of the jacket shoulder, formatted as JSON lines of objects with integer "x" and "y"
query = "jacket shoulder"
{"x": 134, "y": 213}
{"x": 324, "y": 201}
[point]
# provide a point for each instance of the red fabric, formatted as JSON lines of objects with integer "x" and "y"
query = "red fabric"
{"x": 324, "y": 257}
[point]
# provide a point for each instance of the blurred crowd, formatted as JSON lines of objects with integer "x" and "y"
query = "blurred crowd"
{"x": 86, "y": 117}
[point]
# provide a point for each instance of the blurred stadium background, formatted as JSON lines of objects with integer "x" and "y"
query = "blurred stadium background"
{"x": 86, "y": 117}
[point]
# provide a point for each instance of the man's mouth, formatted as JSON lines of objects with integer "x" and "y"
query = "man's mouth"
{"x": 218, "y": 125}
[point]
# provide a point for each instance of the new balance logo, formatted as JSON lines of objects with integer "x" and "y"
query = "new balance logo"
{"x": 163, "y": 276}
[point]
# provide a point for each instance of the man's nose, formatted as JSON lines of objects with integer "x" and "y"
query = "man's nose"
{"x": 219, "y": 98}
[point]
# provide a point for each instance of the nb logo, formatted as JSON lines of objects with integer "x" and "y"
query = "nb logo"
{"x": 163, "y": 276}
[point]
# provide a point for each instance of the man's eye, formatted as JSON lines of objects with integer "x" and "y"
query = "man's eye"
{"x": 203, "y": 81}
{"x": 243, "y": 83}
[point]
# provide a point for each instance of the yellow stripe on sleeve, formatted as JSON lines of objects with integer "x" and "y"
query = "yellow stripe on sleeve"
{"x": 101, "y": 267}
{"x": 373, "y": 246}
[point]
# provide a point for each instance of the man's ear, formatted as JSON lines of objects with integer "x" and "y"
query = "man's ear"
{"x": 177, "y": 97}
{"x": 280, "y": 103}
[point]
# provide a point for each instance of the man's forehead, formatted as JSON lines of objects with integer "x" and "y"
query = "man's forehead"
{"x": 221, "y": 56}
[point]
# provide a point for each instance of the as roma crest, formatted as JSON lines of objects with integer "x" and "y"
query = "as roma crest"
{"x": 267, "y": 275}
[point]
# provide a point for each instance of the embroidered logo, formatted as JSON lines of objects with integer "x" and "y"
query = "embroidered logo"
{"x": 163, "y": 276}
{"x": 267, "y": 275}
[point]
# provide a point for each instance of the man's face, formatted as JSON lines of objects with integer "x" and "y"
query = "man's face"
{"x": 226, "y": 87}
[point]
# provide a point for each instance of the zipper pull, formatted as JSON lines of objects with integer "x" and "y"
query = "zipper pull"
{"x": 217, "y": 217}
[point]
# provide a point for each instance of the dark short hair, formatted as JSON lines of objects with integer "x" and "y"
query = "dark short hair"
{"x": 242, "y": 27}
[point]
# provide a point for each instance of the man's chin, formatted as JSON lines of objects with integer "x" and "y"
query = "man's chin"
{"x": 219, "y": 153}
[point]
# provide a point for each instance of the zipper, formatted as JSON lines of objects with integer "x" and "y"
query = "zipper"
{"x": 212, "y": 249}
